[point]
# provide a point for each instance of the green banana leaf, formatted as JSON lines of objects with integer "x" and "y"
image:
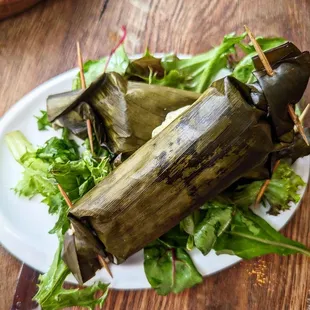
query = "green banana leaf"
{"x": 126, "y": 111}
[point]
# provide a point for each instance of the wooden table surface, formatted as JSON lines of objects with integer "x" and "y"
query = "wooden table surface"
{"x": 40, "y": 44}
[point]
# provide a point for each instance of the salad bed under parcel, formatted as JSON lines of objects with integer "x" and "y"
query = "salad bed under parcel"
{"x": 204, "y": 132}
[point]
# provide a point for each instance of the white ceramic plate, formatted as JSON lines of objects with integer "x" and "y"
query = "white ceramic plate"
{"x": 24, "y": 224}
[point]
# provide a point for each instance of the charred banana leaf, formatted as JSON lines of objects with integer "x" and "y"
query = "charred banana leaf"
{"x": 296, "y": 149}
{"x": 126, "y": 111}
{"x": 201, "y": 153}
{"x": 81, "y": 250}
{"x": 225, "y": 134}
{"x": 291, "y": 69}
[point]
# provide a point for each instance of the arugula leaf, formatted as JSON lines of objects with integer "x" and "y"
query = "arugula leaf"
{"x": 201, "y": 70}
{"x": 42, "y": 121}
{"x": 251, "y": 236}
{"x": 280, "y": 192}
{"x": 52, "y": 296}
{"x": 243, "y": 70}
{"x": 169, "y": 270}
{"x": 195, "y": 73}
{"x": 119, "y": 63}
{"x": 211, "y": 227}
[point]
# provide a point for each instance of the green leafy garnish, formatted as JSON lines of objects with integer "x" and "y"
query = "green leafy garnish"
{"x": 280, "y": 192}
{"x": 119, "y": 63}
{"x": 251, "y": 236}
{"x": 168, "y": 269}
{"x": 201, "y": 70}
{"x": 58, "y": 161}
{"x": 195, "y": 73}
{"x": 211, "y": 227}
{"x": 18, "y": 144}
{"x": 51, "y": 295}
{"x": 42, "y": 121}
{"x": 188, "y": 225}
{"x": 175, "y": 237}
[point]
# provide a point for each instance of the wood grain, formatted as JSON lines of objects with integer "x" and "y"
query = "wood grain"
{"x": 40, "y": 44}
{"x": 12, "y": 7}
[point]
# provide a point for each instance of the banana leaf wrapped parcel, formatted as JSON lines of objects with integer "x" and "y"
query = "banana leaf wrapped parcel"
{"x": 229, "y": 131}
{"x": 123, "y": 113}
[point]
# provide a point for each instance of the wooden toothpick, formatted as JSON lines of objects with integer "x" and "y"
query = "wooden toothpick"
{"x": 101, "y": 260}
{"x": 270, "y": 72}
{"x": 297, "y": 123}
{"x": 304, "y": 113}
{"x": 302, "y": 116}
{"x": 83, "y": 83}
{"x": 104, "y": 264}
{"x": 264, "y": 186}
{"x": 80, "y": 62}
{"x": 260, "y": 52}
{"x": 65, "y": 196}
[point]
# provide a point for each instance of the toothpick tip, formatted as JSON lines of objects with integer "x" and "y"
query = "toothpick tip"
{"x": 104, "y": 265}
{"x": 297, "y": 123}
{"x": 259, "y": 52}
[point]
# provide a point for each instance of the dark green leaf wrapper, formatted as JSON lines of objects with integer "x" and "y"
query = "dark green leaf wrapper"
{"x": 127, "y": 111}
{"x": 222, "y": 136}
{"x": 81, "y": 252}
{"x": 291, "y": 70}
{"x": 197, "y": 156}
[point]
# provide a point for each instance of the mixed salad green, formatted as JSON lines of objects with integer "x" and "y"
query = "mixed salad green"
{"x": 225, "y": 224}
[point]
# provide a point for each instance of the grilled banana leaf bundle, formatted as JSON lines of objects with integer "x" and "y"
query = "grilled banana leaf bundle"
{"x": 123, "y": 113}
{"x": 230, "y": 130}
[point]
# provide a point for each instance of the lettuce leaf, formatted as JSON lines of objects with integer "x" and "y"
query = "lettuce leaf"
{"x": 57, "y": 161}
{"x": 42, "y": 121}
{"x": 168, "y": 269}
{"x": 280, "y": 192}
{"x": 250, "y": 236}
{"x": 211, "y": 227}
